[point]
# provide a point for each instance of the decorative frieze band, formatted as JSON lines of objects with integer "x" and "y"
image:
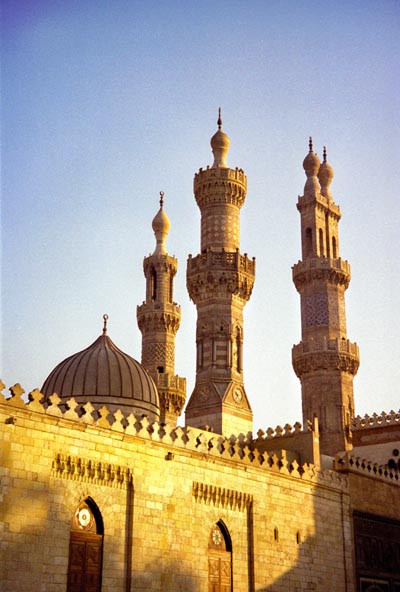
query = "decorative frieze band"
{"x": 89, "y": 471}
{"x": 221, "y": 496}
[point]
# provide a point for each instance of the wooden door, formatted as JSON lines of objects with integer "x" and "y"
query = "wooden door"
{"x": 84, "y": 570}
{"x": 219, "y": 561}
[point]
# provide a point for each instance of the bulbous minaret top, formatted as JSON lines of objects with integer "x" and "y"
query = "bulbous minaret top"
{"x": 161, "y": 226}
{"x": 311, "y": 165}
{"x": 325, "y": 176}
{"x": 220, "y": 145}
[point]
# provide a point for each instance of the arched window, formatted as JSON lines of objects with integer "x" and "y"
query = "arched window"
{"x": 219, "y": 559}
{"x": 321, "y": 243}
{"x": 153, "y": 284}
{"x": 334, "y": 248}
{"x": 85, "y": 549}
{"x": 308, "y": 244}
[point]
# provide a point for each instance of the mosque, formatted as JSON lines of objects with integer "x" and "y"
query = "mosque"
{"x": 102, "y": 490}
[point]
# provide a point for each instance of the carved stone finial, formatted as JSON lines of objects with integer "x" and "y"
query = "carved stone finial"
{"x": 161, "y": 199}
{"x": 105, "y": 318}
{"x": 219, "y": 122}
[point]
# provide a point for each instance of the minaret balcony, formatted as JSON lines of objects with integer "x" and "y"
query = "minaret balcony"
{"x": 335, "y": 271}
{"x": 220, "y": 273}
{"x": 328, "y": 354}
{"x": 220, "y": 185}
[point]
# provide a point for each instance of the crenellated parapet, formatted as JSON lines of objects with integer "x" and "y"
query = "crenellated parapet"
{"x": 241, "y": 450}
{"x": 376, "y": 420}
{"x": 347, "y": 463}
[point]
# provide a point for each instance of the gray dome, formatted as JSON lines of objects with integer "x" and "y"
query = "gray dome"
{"x": 105, "y": 375}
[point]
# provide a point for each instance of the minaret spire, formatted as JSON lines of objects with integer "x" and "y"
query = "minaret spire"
{"x": 220, "y": 281}
{"x": 158, "y": 319}
{"x": 325, "y": 360}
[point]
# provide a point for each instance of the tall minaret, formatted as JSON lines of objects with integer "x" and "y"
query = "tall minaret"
{"x": 325, "y": 360}
{"x": 219, "y": 282}
{"x": 158, "y": 319}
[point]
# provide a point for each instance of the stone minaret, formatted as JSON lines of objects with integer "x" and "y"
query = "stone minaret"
{"x": 158, "y": 319}
{"x": 220, "y": 281}
{"x": 325, "y": 360}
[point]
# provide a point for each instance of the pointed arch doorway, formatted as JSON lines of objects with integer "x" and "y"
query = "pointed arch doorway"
{"x": 219, "y": 559}
{"x": 85, "y": 549}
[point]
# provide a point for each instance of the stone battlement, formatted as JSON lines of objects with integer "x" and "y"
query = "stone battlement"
{"x": 345, "y": 462}
{"x": 240, "y": 449}
{"x": 375, "y": 420}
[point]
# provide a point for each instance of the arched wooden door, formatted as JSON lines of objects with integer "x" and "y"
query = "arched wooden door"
{"x": 85, "y": 549}
{"x": 219, "y": 560}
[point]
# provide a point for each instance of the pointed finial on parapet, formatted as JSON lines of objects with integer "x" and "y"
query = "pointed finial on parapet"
{"x": 105, "y": 319}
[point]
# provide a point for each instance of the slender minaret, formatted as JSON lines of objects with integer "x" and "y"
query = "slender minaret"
{"x": 219, "y": 282}
{"x": 325, "y": 360}
{"x": 158, "y": 319}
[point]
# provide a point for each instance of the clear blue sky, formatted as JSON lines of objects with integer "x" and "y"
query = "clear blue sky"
{"x": 107, "y": 103}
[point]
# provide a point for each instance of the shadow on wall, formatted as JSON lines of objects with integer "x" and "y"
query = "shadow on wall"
{"x": 168, "y": 575}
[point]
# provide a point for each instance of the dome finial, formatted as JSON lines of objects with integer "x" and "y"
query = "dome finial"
{"x": 324, "y": 153}
{"x": 219, "y": 122}
{"x": 310, "y": 144}
{"x": 105, "y": 319}
{"x": 161, "y": 199}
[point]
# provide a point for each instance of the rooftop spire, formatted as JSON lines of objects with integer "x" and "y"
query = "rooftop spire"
{"x": 219, "y": 122}
{"x": 105, "y": 319}
{"x": 310, "y": 144}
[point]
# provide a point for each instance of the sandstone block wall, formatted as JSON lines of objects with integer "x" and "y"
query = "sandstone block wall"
{"x": 159, "y": 501}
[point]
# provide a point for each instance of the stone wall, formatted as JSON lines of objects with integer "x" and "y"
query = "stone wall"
{"x": 159, "y": 492}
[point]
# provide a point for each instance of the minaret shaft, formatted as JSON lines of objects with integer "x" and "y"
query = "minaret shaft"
{"x": 219, "y": 282}
{"x": 325, "y": 360}
{"x": 158, "y": 320}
